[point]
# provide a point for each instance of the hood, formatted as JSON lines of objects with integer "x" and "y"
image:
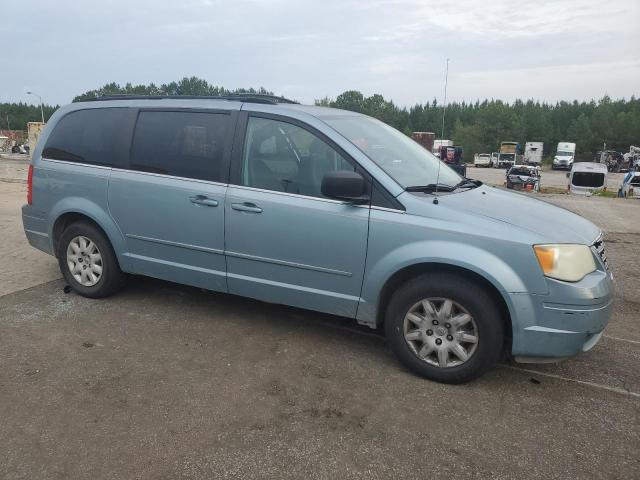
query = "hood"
{"x": 551, "y": 224}
{"x": 564, "y": 157}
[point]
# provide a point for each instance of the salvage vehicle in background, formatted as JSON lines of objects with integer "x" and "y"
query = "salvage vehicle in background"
{"x": 631, "y": 185}
{"x": 494, "y": 159}
{"x": 565, "y": 156}
{"x": 615, "y": 161}
{"x": 523, "y": 177}
{"x": 452, "y": 156}
{"x": 587, "y": 178}
{"x": 509, "y": 154}
{"x": 482, "y": 160}
{"x": 633, "y": 158}
{"x": 533, "y": 153}
{"x": 315, "y": 208}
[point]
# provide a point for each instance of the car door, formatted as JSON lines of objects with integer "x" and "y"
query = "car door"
{"x": 285, "y": 242}
{"x": 169, "y": 202}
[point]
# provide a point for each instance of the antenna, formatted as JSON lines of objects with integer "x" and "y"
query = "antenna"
{"x": 444, "y": 112}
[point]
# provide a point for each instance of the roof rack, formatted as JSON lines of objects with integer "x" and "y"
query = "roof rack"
{"x": 236, "y": 97}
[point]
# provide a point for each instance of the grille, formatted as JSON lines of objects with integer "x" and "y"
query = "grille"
{"x": 599, "y": 246}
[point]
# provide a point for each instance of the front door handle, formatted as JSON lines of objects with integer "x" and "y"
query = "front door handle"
{"x": 203, "y": 200}
{"x": 246, "y": 207}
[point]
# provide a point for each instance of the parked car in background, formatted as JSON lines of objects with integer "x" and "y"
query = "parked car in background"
{"x": 565, "y": 156}
{"x": 523, "y": 177}
{"x": 533, "y": 153}
{"x": 630, "y": 187}
{"x": 315, "y": 208}
{"x": 587, "y": 178}
{"x": 482, "y": 160}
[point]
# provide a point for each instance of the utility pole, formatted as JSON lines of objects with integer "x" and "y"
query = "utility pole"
{"x": 40, "y": 98}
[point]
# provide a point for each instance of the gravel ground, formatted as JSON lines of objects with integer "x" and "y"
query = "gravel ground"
{"x": 165, "y": 381}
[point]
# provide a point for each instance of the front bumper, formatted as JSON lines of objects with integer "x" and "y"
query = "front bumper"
{"x": 567, "y": 321}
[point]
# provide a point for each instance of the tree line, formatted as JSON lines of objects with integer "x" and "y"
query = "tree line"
{"x": 478, "y": 127}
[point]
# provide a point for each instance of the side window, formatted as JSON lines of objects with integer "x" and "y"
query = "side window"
{"x": 182, "y": 144}
{"x": 95, "y": 136}
{"x": 283, "y": 157}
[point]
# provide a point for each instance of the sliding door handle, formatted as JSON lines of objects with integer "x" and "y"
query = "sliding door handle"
{"x": 203, "y": 200}
{"x": 246, "y": 207}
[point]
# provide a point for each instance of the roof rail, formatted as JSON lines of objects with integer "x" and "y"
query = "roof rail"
{"x": 236, "y": 97}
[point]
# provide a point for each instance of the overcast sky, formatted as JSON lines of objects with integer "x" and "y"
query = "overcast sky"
{"x": 507, "y": 49}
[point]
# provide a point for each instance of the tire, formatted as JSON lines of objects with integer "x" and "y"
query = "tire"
{"x": 107, "y": 277}
{"x": 485, "y": 325}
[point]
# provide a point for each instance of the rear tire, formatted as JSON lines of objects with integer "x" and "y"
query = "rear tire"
{"x": 430, "y": 331}
{"x": 87, "y": 261}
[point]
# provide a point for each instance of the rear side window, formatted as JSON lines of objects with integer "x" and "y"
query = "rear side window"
{"x": 588, "y": 179}
{"x": 181, "y": 144}
{"x": 96, "y": 136}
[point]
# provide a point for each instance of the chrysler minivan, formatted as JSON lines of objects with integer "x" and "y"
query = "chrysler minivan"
{"x": 317, "y": 208}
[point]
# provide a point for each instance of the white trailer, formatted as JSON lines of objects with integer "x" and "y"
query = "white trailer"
{"x": 533, "y": 153}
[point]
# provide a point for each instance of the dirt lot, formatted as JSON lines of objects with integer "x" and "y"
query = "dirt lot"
{"x": 164, "y": 381}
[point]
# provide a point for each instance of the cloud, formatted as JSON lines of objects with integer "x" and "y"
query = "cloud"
{"x": 310, "y": 49}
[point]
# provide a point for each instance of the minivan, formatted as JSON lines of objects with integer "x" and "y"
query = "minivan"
{"x": 317, "y": 208}
{"x": 587, "y": 178}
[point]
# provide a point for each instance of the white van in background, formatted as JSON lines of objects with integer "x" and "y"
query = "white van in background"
{"x": 586, "y": 178}
{"x": 533, "y": 153}
{"x": 565, "y": 154}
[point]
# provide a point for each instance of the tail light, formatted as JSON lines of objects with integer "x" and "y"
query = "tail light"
{"x": 30, "y": 185}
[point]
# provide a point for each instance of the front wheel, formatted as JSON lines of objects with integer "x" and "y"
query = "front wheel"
{"x": 444, "y": 327}
{"x": 87, "y": 261}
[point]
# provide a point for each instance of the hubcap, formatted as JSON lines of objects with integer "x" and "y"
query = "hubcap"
{"x": 84, "y": 261}
{"x": 441, "y": 332}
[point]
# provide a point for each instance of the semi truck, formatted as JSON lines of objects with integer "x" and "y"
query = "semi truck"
{"x": 565, "y": 155}
{"x": 533, "y": 153}
{"x": 508, "y": 154}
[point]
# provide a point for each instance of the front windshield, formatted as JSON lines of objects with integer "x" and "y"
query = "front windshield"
{"x": 564, "y": 154}
{"x": 402, "y": 158}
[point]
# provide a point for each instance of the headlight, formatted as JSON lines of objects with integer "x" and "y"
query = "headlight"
{"x": 565, "y": 261}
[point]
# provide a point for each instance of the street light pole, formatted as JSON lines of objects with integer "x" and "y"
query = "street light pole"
{"x": 40, "y": 98}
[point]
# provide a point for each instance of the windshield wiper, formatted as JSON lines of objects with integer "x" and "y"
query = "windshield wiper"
{"x": 430, "y": 188}
{"x": 467, "y": 183}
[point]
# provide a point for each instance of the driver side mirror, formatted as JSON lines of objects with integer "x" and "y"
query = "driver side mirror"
{"x": 568, "y": 174}
{"x": 345, "y": 185}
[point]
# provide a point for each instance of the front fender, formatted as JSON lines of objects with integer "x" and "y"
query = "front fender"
{"x": 479, "y": 261}
{"x": 93, "y": 211}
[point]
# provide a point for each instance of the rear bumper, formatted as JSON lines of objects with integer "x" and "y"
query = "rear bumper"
{"x": 546, "y": 329}
{"x": 36, "y": 229}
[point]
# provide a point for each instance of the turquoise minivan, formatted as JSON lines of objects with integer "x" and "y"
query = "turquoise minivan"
{"x": 321, "y": 209}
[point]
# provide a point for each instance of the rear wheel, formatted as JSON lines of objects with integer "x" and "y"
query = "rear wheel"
{"x": 444, "y": 327}
{"x": 87, "y": 261}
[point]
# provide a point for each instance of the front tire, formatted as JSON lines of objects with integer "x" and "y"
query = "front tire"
{"x": 444, "y": 327}
{"x": 87, "y": 261}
